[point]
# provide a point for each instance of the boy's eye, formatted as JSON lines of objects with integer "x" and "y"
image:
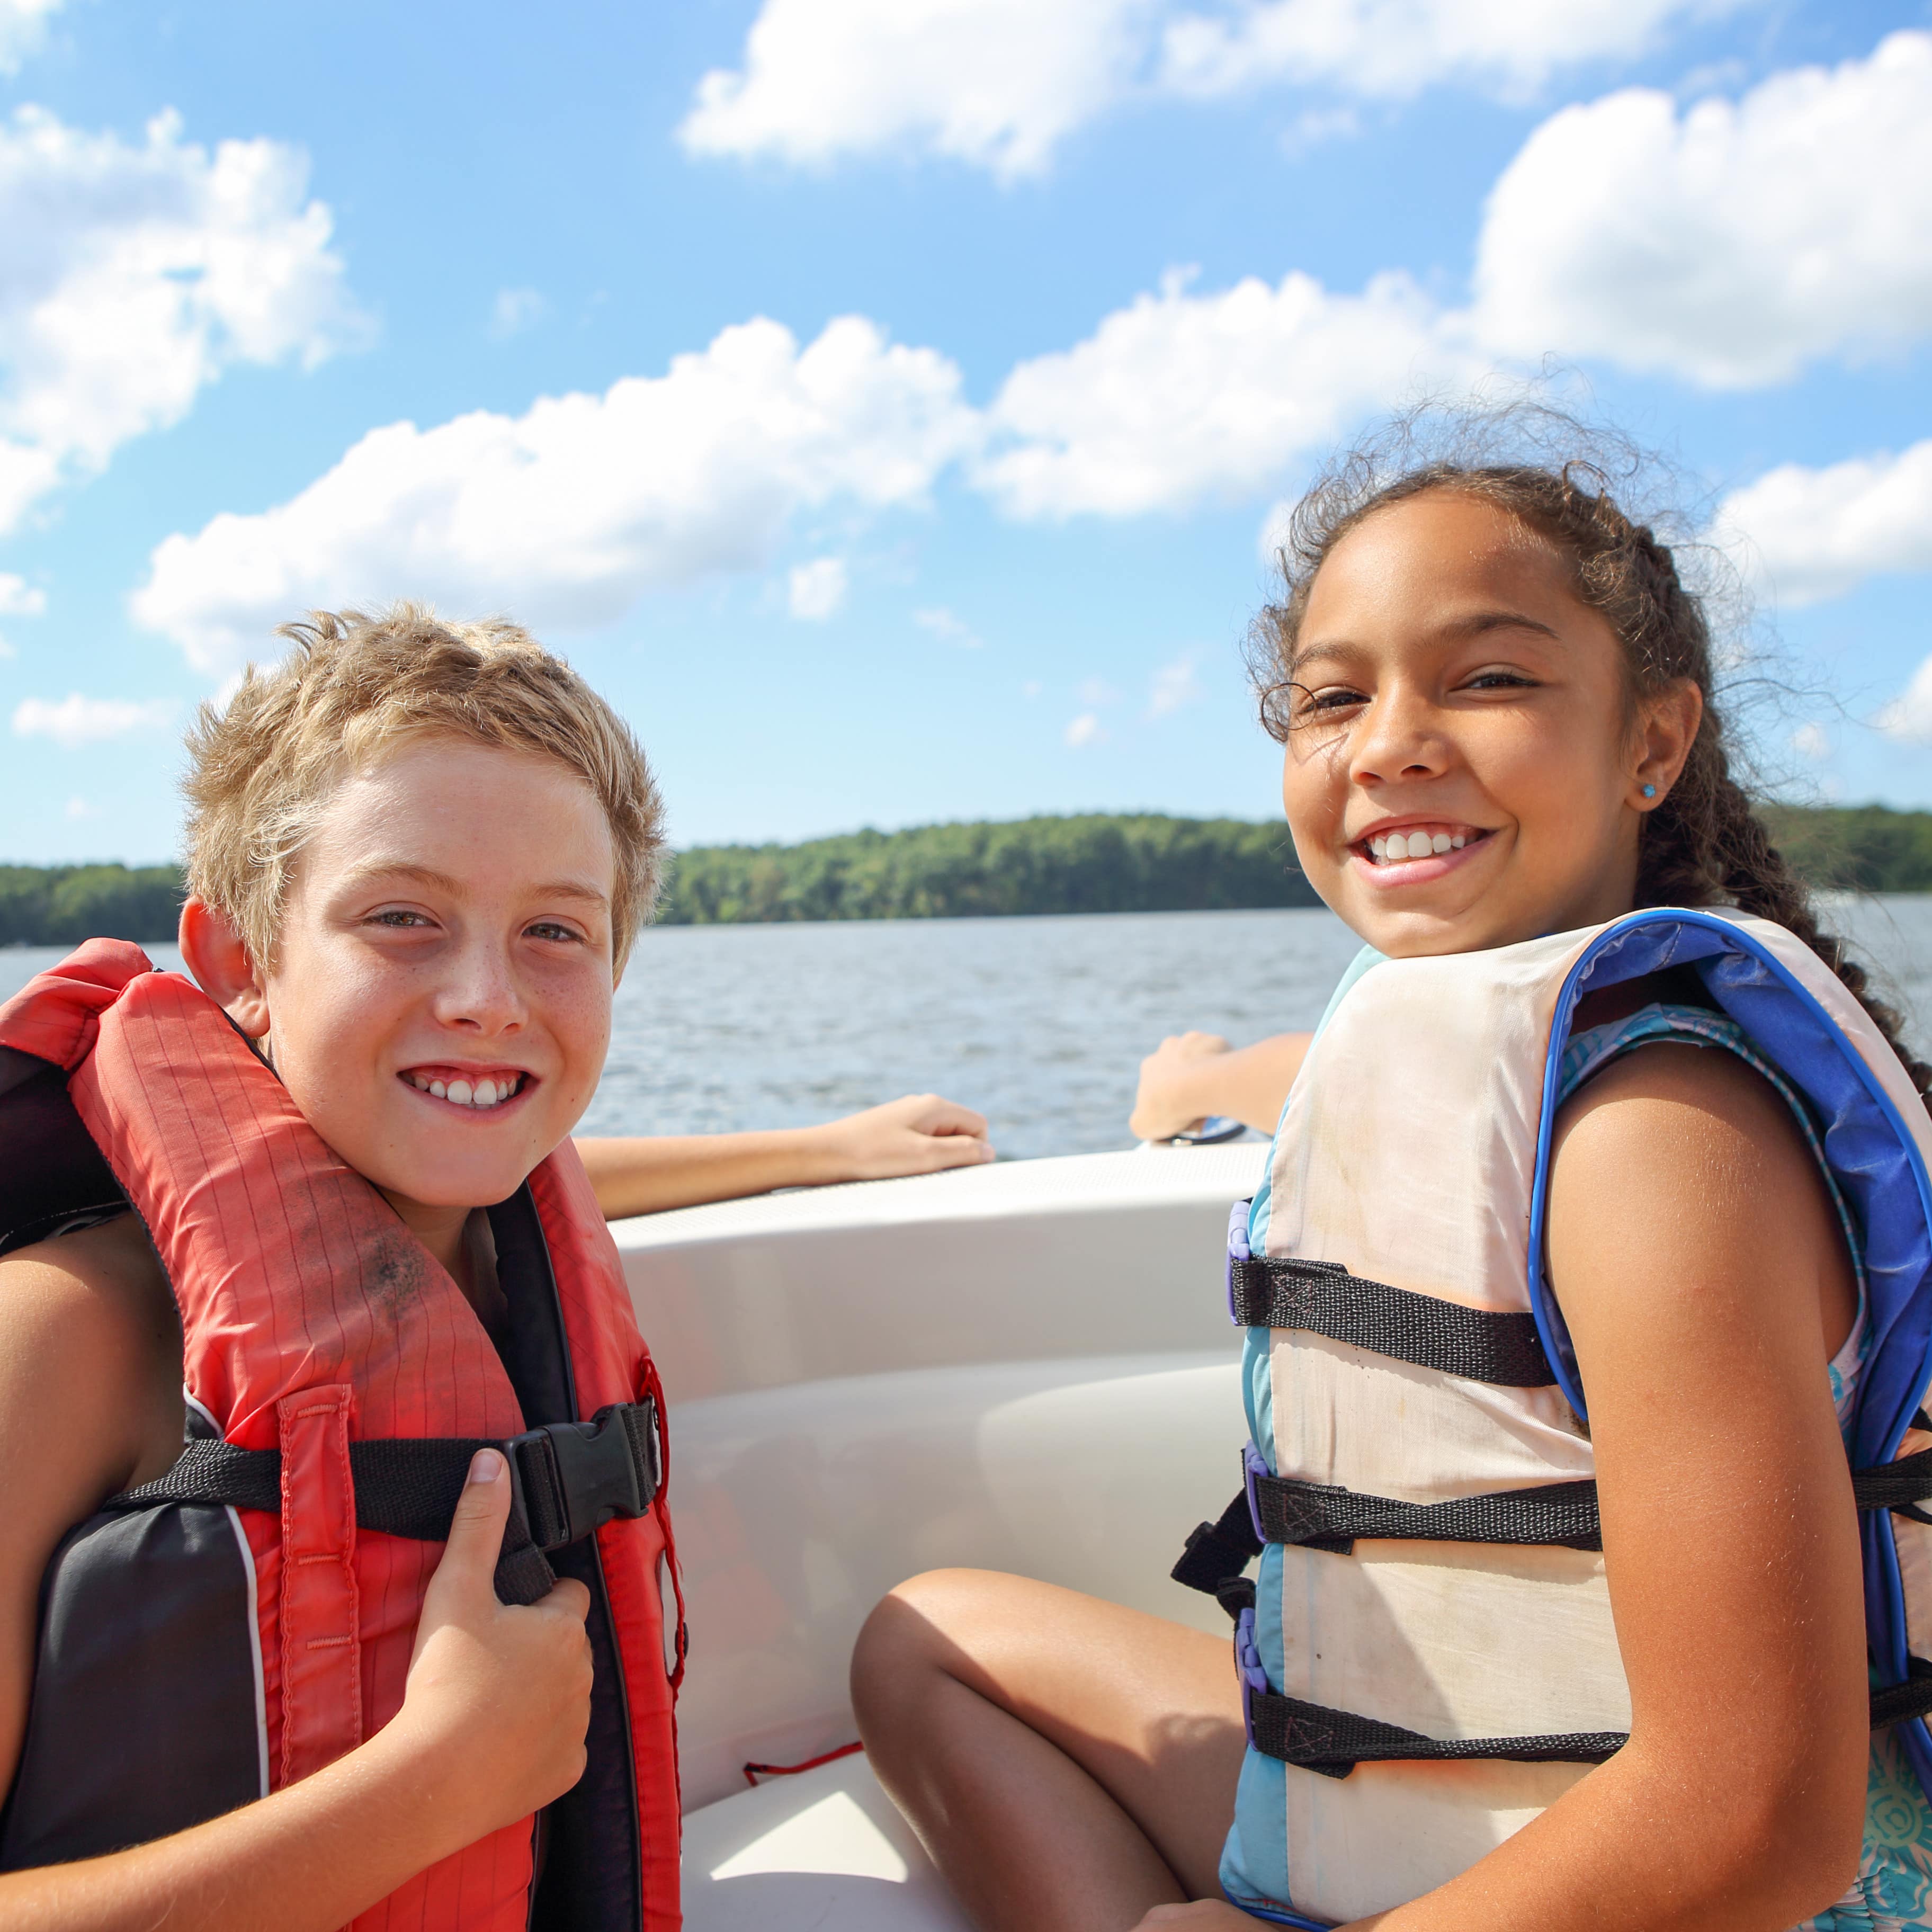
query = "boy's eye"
{"x": 399, "y": 916}
{"x": 550, "y": 928}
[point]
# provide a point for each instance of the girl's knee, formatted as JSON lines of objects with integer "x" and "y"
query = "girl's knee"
{"x": 923, "y": 1628}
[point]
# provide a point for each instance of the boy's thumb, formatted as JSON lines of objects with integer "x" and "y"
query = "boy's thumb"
{"x": 476, "y": 1529}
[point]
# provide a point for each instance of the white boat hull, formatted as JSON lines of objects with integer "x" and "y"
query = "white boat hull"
{"x": 1027, "y": 1367}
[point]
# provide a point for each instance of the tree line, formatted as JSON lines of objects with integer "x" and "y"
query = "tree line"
{"x": 1095, "y": 862}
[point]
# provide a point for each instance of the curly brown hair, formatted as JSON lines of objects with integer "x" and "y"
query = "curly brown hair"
{"x": 1705, "y": 844}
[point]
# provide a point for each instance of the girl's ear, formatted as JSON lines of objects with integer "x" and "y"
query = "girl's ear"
{"x": 1665, "y": 735}
{"x": 219, "y": 960}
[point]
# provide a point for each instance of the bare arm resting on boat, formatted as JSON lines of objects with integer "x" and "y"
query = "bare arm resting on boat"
{"x": 920, "y": 1134}
{"x": 492, "y": 1721}
{"x": 1190, "y": 1076}
{"x": 1071, "y": 1765}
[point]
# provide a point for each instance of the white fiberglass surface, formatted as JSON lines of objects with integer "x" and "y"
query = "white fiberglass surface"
{"x": 1028, "y": 1367}
{"x": 825, "y": 1849}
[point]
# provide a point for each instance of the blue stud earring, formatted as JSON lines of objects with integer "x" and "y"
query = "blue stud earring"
{"x": 1650, "y": 791}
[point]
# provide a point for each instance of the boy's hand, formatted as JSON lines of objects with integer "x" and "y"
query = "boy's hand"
{"x": 1170, "y": 1100}
{"x": 920, "y": 1134}
{"x": 499, "y": 1694}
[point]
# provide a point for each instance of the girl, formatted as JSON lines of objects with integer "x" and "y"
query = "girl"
{"x": 1511, "y": 1661}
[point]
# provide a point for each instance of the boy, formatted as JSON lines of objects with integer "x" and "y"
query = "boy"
{"x": 418, "y": 852}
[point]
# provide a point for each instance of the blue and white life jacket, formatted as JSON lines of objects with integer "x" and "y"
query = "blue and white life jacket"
{"x": 1428, "y": 1651}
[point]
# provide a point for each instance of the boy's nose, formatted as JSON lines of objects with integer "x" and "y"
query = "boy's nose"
{"x": 481, "y": 994}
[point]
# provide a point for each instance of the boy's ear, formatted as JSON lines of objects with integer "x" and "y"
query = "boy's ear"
{"x": 220, "y": 962}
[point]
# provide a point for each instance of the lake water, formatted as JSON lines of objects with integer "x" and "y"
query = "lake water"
{"x": 1039, "y": 1023}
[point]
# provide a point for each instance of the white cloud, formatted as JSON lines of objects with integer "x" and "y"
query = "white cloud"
{"x": 999, "y": 84}
{"x": 1811, "y": 740}
{"x": 1179, "y": 396}
{"x": 133, "y": 275}
{"x": 77, "y": 721}
{"x": 948, "y": 627}
{"x": 1097, "y": 692}
{"x": 1173, "y": 686}
{"x": 1815, "y": 533}
{"x": 1085, "y": 730}
{"x": 816, "y": 590}
{"x": 1731, "y": 244}
{"x": 566, "y": 513}
{"x": 1032, "y": 688}
{"x": 19, "y": 599}
{"x": 995, "y": 82}
{"x": 514, "y": 310}
{"x": 1909, "y": 715}
{"x": 78, "y": 807}
{"x": 1394, "y": 48}
{"x": 22, "y": 25}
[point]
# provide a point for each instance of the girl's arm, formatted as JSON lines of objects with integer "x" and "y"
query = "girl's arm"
{"x": 1190, "y": 1076}
{"x": 1704, "y": 1278}
{"x": 920, "y": 1134}
{"x": 492, "y": 1721}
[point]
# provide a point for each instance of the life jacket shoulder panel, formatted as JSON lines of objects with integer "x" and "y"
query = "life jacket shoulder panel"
{"x": 311, "y": 1319}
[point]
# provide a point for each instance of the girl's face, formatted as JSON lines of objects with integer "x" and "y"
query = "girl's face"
{"x": 1466, "y": 766}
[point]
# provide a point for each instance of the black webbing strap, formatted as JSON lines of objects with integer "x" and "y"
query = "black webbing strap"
{"x": 1901, "y": 1486}
{"x": 567, "y": 1480}
{"x": 1477, "y": 1344}
{"x": 1323, "y": 1517}
{"x": 1217, "y": 1552}
{"x": 1898, "y": 1702}
{"x": 1333, "y": 1742}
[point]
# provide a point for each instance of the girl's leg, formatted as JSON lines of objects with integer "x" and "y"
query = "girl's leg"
{"x": 1069, "y": 1764}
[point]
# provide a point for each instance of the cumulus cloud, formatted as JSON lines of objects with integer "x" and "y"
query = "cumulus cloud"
{"x": 948, "y": 627}
{"x": 1811, "y": 534}
{"x": 77, "y": 721}
{"x": 1083, "y": 730}
{"x": 1173, "y": 686}
{"x": 816, "y": 590}
{"x": 995, "y": 82}
{"x": 999, "y": 84}
{"x": 514, "y": 310}
{"x": 23, "y": 25}
{"x": 1181, "y": 396}
{"x": 133, "y": 275}
{"x": 1394, "y": 48}
{"x": 568, "y": 513}
{"x": 1908, "y": 716}
{"x": 1731, "y": 243}
{"x": 19, "y": 599}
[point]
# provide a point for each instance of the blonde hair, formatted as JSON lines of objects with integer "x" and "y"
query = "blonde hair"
{"x": 262, "y": 771}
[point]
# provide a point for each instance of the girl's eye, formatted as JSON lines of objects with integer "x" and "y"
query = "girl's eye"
{"x": 1326, "y": 703}
{"x": 1499, "y": 680}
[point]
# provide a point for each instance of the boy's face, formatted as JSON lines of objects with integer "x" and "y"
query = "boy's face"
{"x": 440, "y": 1004}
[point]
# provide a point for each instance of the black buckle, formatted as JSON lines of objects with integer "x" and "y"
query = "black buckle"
{"x": 571, "y": 1478}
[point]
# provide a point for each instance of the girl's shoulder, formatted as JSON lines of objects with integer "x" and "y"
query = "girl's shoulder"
{"x": 88, "y": 1331}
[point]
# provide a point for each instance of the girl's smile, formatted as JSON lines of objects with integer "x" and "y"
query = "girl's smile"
{"x": 1466, "y": 759}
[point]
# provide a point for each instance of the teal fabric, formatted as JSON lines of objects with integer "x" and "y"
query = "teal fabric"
{"x": 1893, "y": 1890}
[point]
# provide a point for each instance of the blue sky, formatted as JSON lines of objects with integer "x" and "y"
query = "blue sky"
{"x": 882, "y": 401}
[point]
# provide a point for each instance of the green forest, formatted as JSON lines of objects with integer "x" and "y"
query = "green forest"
{"x": 1089, "y": 863}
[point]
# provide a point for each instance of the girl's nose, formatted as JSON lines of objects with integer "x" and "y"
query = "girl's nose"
{"x": 1400, "y": 737}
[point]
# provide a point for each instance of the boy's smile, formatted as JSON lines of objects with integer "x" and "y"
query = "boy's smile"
{"x": 439, "y": 1006}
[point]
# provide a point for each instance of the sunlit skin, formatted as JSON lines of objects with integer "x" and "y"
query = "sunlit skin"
{"x": 1447, "y": 677}
{"x": 449, "y": 921}
{"x": 1071, "y": 1764}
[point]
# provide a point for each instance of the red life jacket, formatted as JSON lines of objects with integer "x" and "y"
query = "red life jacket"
{"x": 311, "y": 1320}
